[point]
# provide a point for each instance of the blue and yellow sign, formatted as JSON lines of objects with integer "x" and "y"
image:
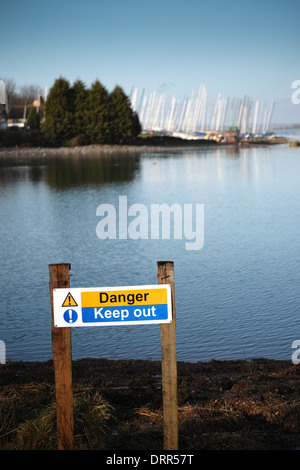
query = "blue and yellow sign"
{"x": 112, "y": 306}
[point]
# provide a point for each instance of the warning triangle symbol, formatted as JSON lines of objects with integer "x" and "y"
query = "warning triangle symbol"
{"x": 69, "y": 301}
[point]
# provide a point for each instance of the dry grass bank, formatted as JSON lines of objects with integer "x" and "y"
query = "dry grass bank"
{"x": 235, "y": 405}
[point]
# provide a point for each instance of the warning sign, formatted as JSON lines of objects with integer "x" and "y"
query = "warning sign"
{"x": 126, "y": 305}
{"x": 69, "y": 301}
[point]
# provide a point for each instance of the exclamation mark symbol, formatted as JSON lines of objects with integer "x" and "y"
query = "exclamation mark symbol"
{"x": 69, "y": 301}
{"x": 70, "y": 316}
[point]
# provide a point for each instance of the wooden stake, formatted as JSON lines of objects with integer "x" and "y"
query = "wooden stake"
{"x": 165, "y": 275}
{"x": 62, "y": 359}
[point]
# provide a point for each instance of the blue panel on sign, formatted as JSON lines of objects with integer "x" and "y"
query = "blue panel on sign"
{"x": 124, "y": 314}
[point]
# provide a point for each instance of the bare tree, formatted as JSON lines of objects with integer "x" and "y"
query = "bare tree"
{"x": 28, "y": 93}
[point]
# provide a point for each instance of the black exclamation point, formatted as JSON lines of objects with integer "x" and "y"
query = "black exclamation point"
{"x": 69, "y": 299}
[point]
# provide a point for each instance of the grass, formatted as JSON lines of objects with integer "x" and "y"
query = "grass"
{"x": 35, "y": 429}
{"x": 118, "y": 405}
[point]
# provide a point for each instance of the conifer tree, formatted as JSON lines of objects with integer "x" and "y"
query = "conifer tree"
{"x": 97, "y": 127}
{"x": 89, "y": 115}
{"x": 121, "y": 123}
{"x": 33, "y": 120}
{"x": 59, "y": 110}
{"x": 136, "y": 125}
{"x": 80, "y": 117}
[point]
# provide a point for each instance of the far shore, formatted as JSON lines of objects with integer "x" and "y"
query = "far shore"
{"x": 106, "y": 150}
{"x": 101, "y": 150}
{"x": 153, "y": 144}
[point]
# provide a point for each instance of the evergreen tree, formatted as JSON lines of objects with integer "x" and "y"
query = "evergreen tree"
{"x": 89, "y": 116}
{"x": 121, "y": 124}
{"x": 80, "y": 117}
{"x": 97, "y": 127}
{"x": 59, "y": 109}
{"x": 33, "y": 120}
{"x": 136, "y": 125}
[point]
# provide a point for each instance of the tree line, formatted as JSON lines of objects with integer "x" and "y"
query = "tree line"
{"x": 89, "y": 115}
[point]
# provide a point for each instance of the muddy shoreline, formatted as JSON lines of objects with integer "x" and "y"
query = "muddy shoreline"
{"x": 222, "y": 405}
{"x": 100, "y": 150}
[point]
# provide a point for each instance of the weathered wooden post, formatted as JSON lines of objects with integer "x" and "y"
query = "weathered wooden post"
{"x": 165, "y": 275}
{"x": 62, "y": 358}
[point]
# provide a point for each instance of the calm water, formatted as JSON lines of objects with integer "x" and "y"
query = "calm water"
{"x": 236, "y": 298}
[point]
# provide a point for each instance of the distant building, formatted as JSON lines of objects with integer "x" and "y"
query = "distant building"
{"x": 17, "y": 117}
{"x": 232, "y": 135}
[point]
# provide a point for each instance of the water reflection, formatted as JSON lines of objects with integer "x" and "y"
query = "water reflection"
{"x": 65, "y": 173}
{"x": 62, "y": 173}
{"x": 210, "y": 165}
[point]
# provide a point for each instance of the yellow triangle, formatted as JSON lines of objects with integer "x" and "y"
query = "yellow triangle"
{"x": 69, "y": 301}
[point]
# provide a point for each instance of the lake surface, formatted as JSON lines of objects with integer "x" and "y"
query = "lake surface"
{"x": 237, "y": 297}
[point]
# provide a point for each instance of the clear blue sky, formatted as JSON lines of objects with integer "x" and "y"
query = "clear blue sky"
{"x": 234, "y": 47}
